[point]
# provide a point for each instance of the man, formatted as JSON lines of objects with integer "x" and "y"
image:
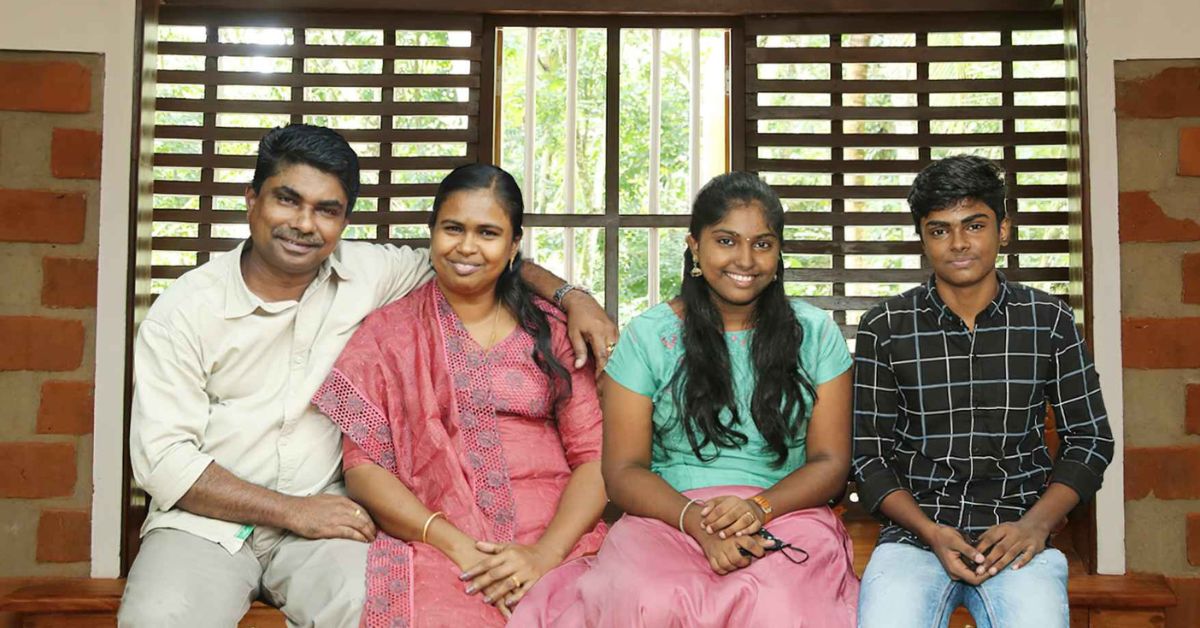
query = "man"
{"x": 951, "y": 384}
{"x": 244, "y": 475}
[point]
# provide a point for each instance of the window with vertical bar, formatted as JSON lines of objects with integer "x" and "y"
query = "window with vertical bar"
{"x": 402, "y": 88}
{"x": 671, "y": 131}
{"x": 843, "y": 111}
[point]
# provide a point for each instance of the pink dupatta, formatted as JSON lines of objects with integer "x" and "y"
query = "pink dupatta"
{"x": 442, "y": 439}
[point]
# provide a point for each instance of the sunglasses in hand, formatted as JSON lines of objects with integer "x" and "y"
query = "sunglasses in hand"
{"x": 776, "y": 544}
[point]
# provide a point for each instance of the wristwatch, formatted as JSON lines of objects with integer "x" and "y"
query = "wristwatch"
{"x": 562, "y": 291}
{"x": 764, "y": 505}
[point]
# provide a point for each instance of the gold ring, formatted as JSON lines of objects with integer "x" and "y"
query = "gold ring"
{"x": 611, "y": 346}
{"x": 516, "y": 583}
{"x": 358, "y": 512}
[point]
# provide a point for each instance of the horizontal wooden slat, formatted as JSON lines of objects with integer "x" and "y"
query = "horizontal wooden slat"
{"x": 290, "y": 79}
{"x": 904, "y": 219}
{"x": 875, "y": 166}
{"x": 320, "y": 107}
{"x": 903, "y": 23}
{"x": 911, "y": 54}
{"x": 899, "y": 191}
{"x": 837, "y": 112}
{"x": 361, "y": 20}
{"x": 849, "y": 247}
{"x": 351, "y": 135}
{"x": 237, "y": 189}
{"x": 909, "y": 275}
{"x": 917, "y": 86}
{"x": 309, "y": 51}
{"x": 365, "y": 163}
{"x": 755, "y": 138}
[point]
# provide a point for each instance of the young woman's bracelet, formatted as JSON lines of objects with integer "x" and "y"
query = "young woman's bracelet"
{"x": 684, "y": 512}
{"x": 425, "y": 528}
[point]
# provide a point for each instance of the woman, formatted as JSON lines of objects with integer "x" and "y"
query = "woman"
{"x": 472, "y": 447}
{"x": 726, "y": 433}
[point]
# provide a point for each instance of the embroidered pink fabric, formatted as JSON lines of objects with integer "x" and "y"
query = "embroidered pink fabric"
{"x": 414, "y": 394}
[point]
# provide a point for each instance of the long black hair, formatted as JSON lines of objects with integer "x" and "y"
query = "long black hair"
{"x": 511, "y": 290}
{"x": 703, "y": 385}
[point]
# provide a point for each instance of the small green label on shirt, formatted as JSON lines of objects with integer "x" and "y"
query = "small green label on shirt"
{"x": 245, "y": 532}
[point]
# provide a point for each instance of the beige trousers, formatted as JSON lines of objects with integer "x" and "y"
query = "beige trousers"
{"x": 180, "y": 579}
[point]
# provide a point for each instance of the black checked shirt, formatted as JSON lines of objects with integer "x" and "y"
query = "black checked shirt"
{"x": 957, "y": 417}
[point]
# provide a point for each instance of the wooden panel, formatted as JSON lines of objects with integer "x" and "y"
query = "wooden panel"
{"x": 1106, "y": 618}
{"x": 57, "y": 620}
{"x": 240, "y": 106}
{"x": 828, "y": 124}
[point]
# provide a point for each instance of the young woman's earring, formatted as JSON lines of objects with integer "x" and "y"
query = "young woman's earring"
{"x": 696, "y": 272}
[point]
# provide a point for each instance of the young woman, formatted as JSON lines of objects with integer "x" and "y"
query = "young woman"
{"x": 472, "y": 447}
{"x": 726, "y": 433}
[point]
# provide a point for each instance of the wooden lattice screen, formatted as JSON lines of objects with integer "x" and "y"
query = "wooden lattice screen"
{"x": 403, "y": 90}
{"x": 842, "y": 111}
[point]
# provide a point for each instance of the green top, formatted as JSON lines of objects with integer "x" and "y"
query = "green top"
{"x": 645, "y": 360}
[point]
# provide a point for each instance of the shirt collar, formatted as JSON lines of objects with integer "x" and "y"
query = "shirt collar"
{"x": 944, "y": 311}
{"x": 240, "y": 301}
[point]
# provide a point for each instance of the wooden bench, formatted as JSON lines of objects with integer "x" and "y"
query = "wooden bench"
{"x": 1096, "y": 601}
{"x": 93, "y": 603}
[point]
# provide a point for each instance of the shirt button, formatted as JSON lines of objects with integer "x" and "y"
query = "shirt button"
{"x": 298, "y": 360}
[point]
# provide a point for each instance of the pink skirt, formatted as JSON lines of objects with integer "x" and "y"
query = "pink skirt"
{"x": 648, "y": 573}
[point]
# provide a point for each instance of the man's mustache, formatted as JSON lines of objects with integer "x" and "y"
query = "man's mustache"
{"x": 288, "y": 233}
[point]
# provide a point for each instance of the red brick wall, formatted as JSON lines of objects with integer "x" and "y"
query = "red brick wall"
{"x": 50, "y": 122}
{"x": 1158, "y": 141}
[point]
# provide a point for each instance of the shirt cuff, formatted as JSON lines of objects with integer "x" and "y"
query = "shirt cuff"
{"x": 876, "y": 485}
{"x": 173, "y": 476}
{"x": 1080, "y": 477}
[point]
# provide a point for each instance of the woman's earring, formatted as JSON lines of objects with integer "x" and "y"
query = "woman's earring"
{"x": 510, "y": 262}
{"x": 696, "y": 272}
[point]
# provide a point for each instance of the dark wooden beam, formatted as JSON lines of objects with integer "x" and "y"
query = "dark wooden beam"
{"x": 635, "y": 7}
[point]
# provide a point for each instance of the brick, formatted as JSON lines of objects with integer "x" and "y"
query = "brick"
{"x": 1191, "y": 416}
{"x": 52, "y": 86}
{"x": 1172, "y": 93}
{"x": 1189, "y": 152}
{"x": 64, "y": 536}
{"x": 1161, "y": 343}
{"x": 30, "y": 343}
{"x": 1186, "y": 612}
{"x": 42, "y": 216}
{"x": 1143, "y": 220}
{"x": 1190, "y": 272}
{"x": 75, "y": 154}
{"x": 1193, "y": 538}
{"x": 1165, "y": 472}
{"x": 68, "y": 282}
{"x": 66, "y": 408}
{"x": 37, "y": 470}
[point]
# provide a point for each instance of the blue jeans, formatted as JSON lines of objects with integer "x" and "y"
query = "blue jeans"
{"x": 907, "y": 587}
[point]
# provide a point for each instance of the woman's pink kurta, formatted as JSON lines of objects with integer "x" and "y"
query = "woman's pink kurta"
{"x": 477, "y": 434}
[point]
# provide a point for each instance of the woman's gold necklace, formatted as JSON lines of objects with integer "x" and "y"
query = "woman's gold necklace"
{"x": 495, "y": 319}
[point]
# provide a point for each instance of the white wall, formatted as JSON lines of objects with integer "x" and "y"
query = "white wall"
{"x": 106, "y": 27}
{"x": 1118, "y": 30}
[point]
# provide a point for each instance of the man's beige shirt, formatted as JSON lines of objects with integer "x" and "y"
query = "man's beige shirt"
{"x": 221, "y": 376}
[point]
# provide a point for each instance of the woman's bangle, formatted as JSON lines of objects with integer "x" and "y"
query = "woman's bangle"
{"x": 684, "y": 512}
{"x": 425, "y": 528}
